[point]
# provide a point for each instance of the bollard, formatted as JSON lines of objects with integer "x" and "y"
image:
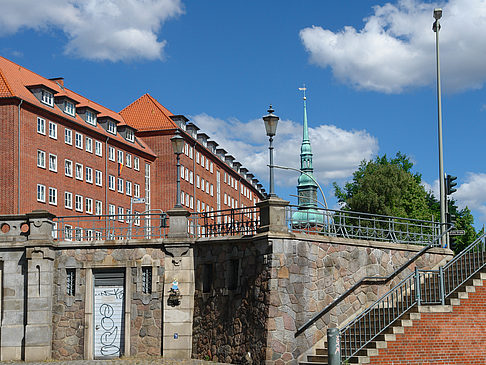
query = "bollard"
{"x": 333, "y": 346}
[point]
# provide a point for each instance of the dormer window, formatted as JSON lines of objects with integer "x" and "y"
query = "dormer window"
{"x": 47, "y": 97}
{"x": 69, "y": 108}
{"x": 91, "y": 118}
{"x": 130, "y": 135}
{"x": 111, "y": 127}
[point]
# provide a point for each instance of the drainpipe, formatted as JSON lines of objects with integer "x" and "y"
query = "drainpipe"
{"x": 18, "y": 160}
{"x": 106, "y": 175}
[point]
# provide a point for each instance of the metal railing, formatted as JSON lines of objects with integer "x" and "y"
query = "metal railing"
{"x": 111, "y": 227}
{"x": 418, "y": 288}
{"x": 357, "y": 225}
{"x": 227, "y": 222}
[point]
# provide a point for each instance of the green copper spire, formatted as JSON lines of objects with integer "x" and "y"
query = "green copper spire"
{"x": 307, "y": 188}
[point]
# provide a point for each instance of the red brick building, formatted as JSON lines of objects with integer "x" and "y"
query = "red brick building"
{"x": 71, "y": 156}
{"x": 211, "y": 179}
{"x": 65, "y": 153}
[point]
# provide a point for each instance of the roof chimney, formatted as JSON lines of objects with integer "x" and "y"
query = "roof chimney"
{"x": 58, "y": 80}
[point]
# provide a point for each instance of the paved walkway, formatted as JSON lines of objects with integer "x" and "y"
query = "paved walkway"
{"x": 128, "y": 361}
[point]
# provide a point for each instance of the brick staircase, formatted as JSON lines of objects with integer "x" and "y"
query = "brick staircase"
{"x": 397, "y": 329}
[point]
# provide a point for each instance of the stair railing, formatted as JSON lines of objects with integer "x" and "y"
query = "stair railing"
{"x": 370, "y": 280}
{"x": 420, "y": 287}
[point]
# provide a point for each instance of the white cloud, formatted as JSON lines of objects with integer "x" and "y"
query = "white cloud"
{"x": 472, "y": 193}
{"x": 337, "y": 152}
{"x": 112, "y": 30}
{"x": 395, "y": 50}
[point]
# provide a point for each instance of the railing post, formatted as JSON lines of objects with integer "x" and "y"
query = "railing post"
{"x": 417, "y": 285}
{"x": 442, "y": 285}
{"x": 333, "y": 346}
{"x": 178, "y": 222}
{"x": 272, "y": 215}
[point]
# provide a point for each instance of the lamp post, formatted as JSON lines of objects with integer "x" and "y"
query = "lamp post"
{"x": 436, "y": 29}
{"x": 271, "y": 122}
{"x": 178, "y": 146}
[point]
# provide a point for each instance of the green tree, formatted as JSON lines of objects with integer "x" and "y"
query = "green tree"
{"x": 390, "y": 187}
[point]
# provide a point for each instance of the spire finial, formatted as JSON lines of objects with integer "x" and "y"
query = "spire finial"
{"x": 303, "y": 89}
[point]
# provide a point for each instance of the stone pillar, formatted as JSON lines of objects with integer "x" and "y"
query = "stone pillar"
{"x": 179, "y": 273}
{"x": 272, "y": 215}
{"x": 38, "y": 330}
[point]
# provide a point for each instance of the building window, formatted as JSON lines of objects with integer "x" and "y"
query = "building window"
{"x": 198, "y": 181}
{"x": 136, "y": 190}
{"x": 53, "y": 196}
{"x": 128, "y": 188}
{"x": 79, "y": 140}
{"x": 111, "y": 127}
{"x": 41, "y": 193}
{"x": 68, "y": 136}
{"x": 111, "y": 209}
{"x": 98, "y": 148}
{"x": 41, "y": 159}
{"x": 130, "y": 135}
{"x": 120, "y": 157}
{"x": 182, "y": 198}
{"x": 90, "y": 117}
{"x": 79, "y": 171}
{"x": 191, "y": 177}
{"x": 190, "y": 153}
{"x": 111, "y": 182}
{"x": 71, "y": 282}
{"x": 146, "y": 279}
{"x": 98, "y": 178}
{"x": 68, "y": 200}
{"x": 41, "y": 126}
{"x": 212, "y": 191}
{"x": 207, "y": 187}
{"x": 136, "y": 163}
{"x": 111, "y": 153}
{"x": 197, "y": 157}
{"x": 52, "y": 162}
{"x": 68, "y": 168}
{"x": 68, "y": 232}
{"x": 47, "y": 98}
{"x": 211, "y": 167}
{"x": 120, "y": 185}
{"x": 78, "y": 203}
{"x": 69, "y": 108}
{"x": 89, "y": 175}
{"x": 53, "y": 130}
{"x": 120, "y": 214}
{"x": 98, "y": 207}
{"x": 202, "y": 184}
{"x": 129, "y": 160}
{"x": 78, "y": 234}
{"x": 89, "y": 205}
{"x": 89, "y": 145}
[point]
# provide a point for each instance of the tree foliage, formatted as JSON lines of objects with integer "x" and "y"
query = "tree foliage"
{"x": 388, "y": 186}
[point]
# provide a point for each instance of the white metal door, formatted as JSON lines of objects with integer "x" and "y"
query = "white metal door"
{"x": 108, "y": 315}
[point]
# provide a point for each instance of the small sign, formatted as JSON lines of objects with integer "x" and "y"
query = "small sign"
{"x": 138, "y": 200}
{"x": 176, "y": 336}
{"x": 457, "y": 232}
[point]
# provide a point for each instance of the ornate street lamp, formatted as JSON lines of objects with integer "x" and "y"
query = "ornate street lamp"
{"x": 178, "y": 146}
{"x": 271, "y": 122}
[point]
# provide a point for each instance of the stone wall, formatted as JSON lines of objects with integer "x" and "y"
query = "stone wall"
{"x": 230, "y": 317}
{"x": 308, "y": 274}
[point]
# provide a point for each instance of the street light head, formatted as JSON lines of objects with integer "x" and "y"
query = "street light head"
{"x": 437, "y": 13}
{"x": 271, "y": 121}
{"x": 177, "y": 143}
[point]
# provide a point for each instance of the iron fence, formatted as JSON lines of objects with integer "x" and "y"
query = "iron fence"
{"x": 418, "y": 288}
{"x": 357, "y": 225}
{"x": 110, "y": 227}
{"x": 228, "y": 222}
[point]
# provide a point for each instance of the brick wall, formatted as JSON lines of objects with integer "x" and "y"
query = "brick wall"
{"x": 458, "y": 337}
{"x": 8, "y": 159}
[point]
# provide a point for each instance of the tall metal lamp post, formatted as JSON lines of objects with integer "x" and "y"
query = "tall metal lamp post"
{"x": 436, "y": 29}
{"x": 178, "y": 146}
{"x": 271, "y": 122}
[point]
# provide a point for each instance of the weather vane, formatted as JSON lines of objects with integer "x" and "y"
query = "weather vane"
{"x": 303, "y": 89}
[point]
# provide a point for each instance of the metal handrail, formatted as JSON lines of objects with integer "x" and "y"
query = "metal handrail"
{"x": 368, "y": 280}
{"x": 420, "y": 287}
{"x": 350, "y": 224}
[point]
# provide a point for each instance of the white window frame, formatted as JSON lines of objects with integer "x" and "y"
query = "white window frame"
{"x": 120, "y": 156}
{"x": 136, "y": 163}
{"x": 89, "y": 175}
{"x": 69, "y": 108}
{"x": 41, "y": 193}
{"x": 111, "y": 153}
{"x": 130, "y": 135}
{"x": 52, "y": 162}
{"x": 90, "y": 117}
{"x": 41, "y": 159}
{"x": 119, "y": 185}
{"x": 88, "y": 205}
{"x": 98, "y": 148}
{"x": 191, "y": 177}
{"x": 120, "y": 214}
{"x": 99, "y": 178}
{"x": 78, "y": 203}
{"x": 129, "y": 160}
{"x": 68, "y": 200}
{"x": 78, "y": 140}
{"x": 128, "y": 188}
{"x": 41, "y": 126}
{"x": 68, "y": 136}
{"x": 52, "y": 196}
{"x": 111, "y": 182}
{"x": 79, "y": 171}
{"x": 98, "y": 207}
{"x": 47, "y": 97}
{"x": 136, "y": 190}
{"x": 111, "y": 127}
{"x": 52, "y": 130}
{"x": 68, "y": 165}
{"x": 89, "y": 144}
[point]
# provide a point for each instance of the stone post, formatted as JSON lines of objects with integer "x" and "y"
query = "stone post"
{"x": 179, "y": 288}
{"x": 272, "y": 215}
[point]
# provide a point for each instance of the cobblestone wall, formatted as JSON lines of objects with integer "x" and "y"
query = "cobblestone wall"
{"x": 308, "y": 275}
{"x": 230, "y": 317}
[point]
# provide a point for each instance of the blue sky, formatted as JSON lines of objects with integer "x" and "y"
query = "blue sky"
{"x": 369, "y": 67}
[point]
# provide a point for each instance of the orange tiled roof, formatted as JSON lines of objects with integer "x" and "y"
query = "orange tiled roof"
{"x": 147, "y": 114}
{"x": 15, "y": 79}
